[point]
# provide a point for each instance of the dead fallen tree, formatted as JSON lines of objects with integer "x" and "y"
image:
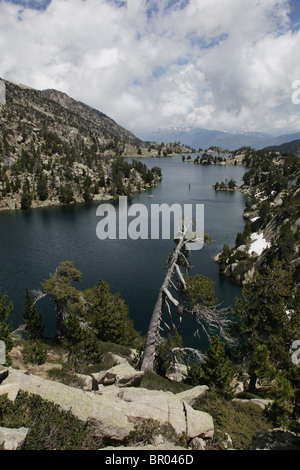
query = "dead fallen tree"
{"x": 208, "y": 318}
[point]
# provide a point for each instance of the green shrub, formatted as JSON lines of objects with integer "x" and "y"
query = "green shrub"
{"x": 241, "y": 421}
{"x": 34, "y": 352}
{"x": 66, "y": 376}
{"x": 146, "y": 430}
{"x": 194, "y": 376}
{"x": 152, "y": 381}
{"x": 12, "y": 416}
{"x": 114, "y": 348}
{"x": 50, "y": 428}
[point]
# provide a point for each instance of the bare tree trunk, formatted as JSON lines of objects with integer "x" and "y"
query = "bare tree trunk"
{"x": 151, "y": 344}
{"x": 252, "y": 383}
{"x": 59, "y": 319}
{"x": 207, "y": 317}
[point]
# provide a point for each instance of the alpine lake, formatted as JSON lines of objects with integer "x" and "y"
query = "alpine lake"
{"x": 33, "y": 243}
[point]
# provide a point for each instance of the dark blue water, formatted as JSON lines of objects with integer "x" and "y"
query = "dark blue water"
{"x": 33, "y": 243}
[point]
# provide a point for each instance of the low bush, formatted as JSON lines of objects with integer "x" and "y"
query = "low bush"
{"x": 241, "y": 421}
{"x": 146, "y": 430}
{"x": 50, "y": 428}
{"x": 66, "y": 376}
{"x": 34, "y": 352}
{"x": 152, "y": 381}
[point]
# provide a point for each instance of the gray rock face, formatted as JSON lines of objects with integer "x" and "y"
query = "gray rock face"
{"x": 114, "y": 409}
{"x": 177, "y": 372}
{"x": 191, "y": 395}
{"x": 121, "y": 375}
{"x": 13, "y": 439}
{"x": 87, "y": 382}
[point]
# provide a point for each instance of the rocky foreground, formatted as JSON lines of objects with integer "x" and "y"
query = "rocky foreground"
{"x": 110, "y": 400}
{"x": 115, "y": 403}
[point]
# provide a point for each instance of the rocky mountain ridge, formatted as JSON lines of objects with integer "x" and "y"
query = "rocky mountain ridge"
{"x": 61, "y": 114}
{"x": 56, "y": 150}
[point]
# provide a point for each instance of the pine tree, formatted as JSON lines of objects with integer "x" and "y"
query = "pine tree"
{"x": 26, "y": 200}
{"x": 42, "y": 187}
{"x": 283, "y": 394}
{"x": 66, "y": 195}
{"x": 5, "y": 325}
{"x": 261, "y": 365}
{"x": 267, "y": 313}
{"x": 108, "y": 315}
{"x": 194, "y": 376}
{"x": 200, "y": 290}
{"x": 217, "y": 369}
{"x": 164, "y": 359}
{"x": 32, "y": 318}
{"x": 59, "y": 288}
{"x": 82, "y": 343}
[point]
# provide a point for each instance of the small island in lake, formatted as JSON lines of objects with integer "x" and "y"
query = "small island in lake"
{"x": 227, "y": 185}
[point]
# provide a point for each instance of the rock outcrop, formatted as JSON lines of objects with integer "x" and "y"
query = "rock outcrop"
{"x": 177, "y": 372}
{"x": 13, "y": 439}
{"x": 115, "y": 410}
{"x": 121, "y": 375}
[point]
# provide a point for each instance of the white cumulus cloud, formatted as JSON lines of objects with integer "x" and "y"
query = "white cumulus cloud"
{"x": 226, "y": 64}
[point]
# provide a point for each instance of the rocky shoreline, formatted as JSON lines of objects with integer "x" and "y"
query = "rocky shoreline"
{"x": 271, "y": 224}
{"x": 13, "y": 202}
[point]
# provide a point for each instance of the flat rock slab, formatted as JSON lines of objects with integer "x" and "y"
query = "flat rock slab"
{"x": 115, "y": 411}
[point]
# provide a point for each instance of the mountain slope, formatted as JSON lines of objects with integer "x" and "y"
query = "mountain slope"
{"x": 97, "y": 125}
{"x": 272, "y": 228}
{"x": 290, "y": 146}
{"x": 54, "y": 149}
{"x": 61, "y": 114}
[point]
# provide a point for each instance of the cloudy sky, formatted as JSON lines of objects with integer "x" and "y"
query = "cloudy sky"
{"x": 151, "y": 64}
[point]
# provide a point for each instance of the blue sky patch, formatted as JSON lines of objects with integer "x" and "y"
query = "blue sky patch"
{"x": 33, "y": 4}
{"x": 206, "y": 43}
{"x": 295, "y": 13}
{"x": 182, "y": 61}
{"x": 158, "y": 71}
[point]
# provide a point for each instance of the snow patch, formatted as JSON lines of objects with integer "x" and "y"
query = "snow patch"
{"x": 259, "y": 243}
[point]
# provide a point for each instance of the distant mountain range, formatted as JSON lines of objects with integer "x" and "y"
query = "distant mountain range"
{"x": 293, "y": 147}
{"x": 72, "y": 120}
{"x": 204, "y": 138}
